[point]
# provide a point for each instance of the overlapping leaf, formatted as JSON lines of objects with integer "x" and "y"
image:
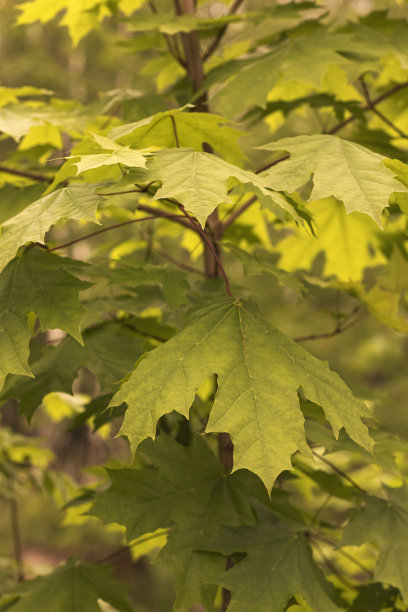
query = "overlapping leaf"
{"x": 36, "y": 282}
{"x": 340, "y": 168}
{"x": 73, "y": 587}
{"x": 192, "y": 130}
{"x": 386, "y": 300}
{"x": 350, "y": 243}
{"x": 32, "y": 223}
{"x": 301, "y": 58}
{"x": 279, "y": 565}
{"x": 200, "y": 180}
{"x": 187, "y": 491}
{"x": 259, "y": 374}
{"x": 383, "y": 522}
{"x": 109, "y": 351}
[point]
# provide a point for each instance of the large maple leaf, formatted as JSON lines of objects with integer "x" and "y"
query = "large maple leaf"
{"x": 260, "y": 372}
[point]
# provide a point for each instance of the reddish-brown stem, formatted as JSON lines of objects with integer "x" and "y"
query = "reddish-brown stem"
{"x": 161, "y": 213}
{"x": 339, "y": 329}
{"x": 238, "y": 212}
{"x": 176, "y": 138}
{"x": 210, "y": 245}
{"x": 340, "y": 472}
{"x": 34, "y": 176}
{"x": 375, "y": 102}
{"x": 107, "y": 229}
{"x": 213, "y": 46}
{"x": 375, "y": 110}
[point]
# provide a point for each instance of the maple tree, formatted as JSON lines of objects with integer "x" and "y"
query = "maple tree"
{"x": 276, "y": 158}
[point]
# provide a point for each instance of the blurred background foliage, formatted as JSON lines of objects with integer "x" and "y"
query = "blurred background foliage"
{"x": 53, "y": 456}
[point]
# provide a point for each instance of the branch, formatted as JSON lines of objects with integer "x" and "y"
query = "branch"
{"x": 237, "y": 213}
{"x": 34, "y": 176}
{"x": 370, "y": 106}
{"x": 339, "y": 126}
{"x": 213, "y": 46}
{"x": 377, "y": 112}
{"x": 333, "y": 568}
{"x": 124, "y": 549}
{"x": 345, "y": 554}
{"x": 16, "y": 535}
{"x": 107, "y": 229}
{"x": 173, "y": 50}
{"x": 161, "y": 213}
{"x": 340, "y": 472}
{"x": 176, "y": 138}
{"x": 339, "y": 329}
{"x": 177, "y": 262}
{"x": 210, "y": 246}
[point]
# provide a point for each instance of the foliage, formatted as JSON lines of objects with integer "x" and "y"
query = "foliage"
{"x": 148, "y": 259}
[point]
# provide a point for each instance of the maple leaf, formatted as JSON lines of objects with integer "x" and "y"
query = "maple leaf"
{"x": 381, "y": 522}
{"x": 80, "y": 18}
{"x": 32, "y": 223}
{"x": 35, "y": 282}
{"x": 340, "y": 168}
{"x": 72, "y": 587}
{"x": 301, "y": 58}
{"x": 199, "y": 180}
{"x": 278, "y": 565}
{"x": 347, "y": 240}
{"x": 109, "y": 351}
{"x": 259, "y": 374}
{"x": 192, "y": 129}
{"x": 188, "y": 491}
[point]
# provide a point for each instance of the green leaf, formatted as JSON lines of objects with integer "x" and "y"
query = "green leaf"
{"x": 200, "y": 180}
{"x": 73, "y": 587}
{"x": 80, "y": 18}
{"x": 278, "y": 565}
{"x": 350, "y": 242}
{"x": 117, "y": 155}
{"x": 32, "y": 223}
{"x": 187, "y": 491}
{"x": 110, "y": 351}
{"x": 259, "y": 374}
{"x": 340, "y": 168}
{"x": 383, "y": 523}
{"x": 133, "y": 273}
{"x": 15, "y": 199}
{"x": 192, "y": 129}
{"x": 36, "y": 282}
{"x": 303, "y": 58}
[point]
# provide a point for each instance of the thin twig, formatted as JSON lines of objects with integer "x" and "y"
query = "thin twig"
{"x": 177, "y": 262}
{"x": 174, "y": 51}
{"x": 339, "y": 329}
{"x": 210, "y": 246}
{"x": 238, "y": 212}
{"x": 176, "y": 138}
{"x": 161, "y": 213}
{"x": 124, "y": 549}
{"x": 340, "y": 472}
{"x": 107, "y": 229}
{"x": 375, "y": 102}
{"x": 35, "y": 176}
{"x": 213, "y": 46}
{"x": 16, "y": 535}
{"x": 345, "y": 554}
{"x": 332, "y": 567}
{"x": 271, "y": 164}
{"x": 377, "y": 112}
